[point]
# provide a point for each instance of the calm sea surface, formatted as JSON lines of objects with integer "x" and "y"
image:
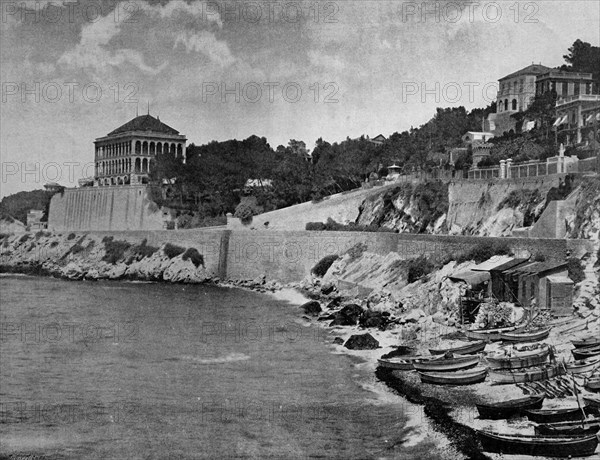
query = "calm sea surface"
{"x": 155, "y": 371}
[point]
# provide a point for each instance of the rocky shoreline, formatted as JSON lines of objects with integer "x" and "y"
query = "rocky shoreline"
{"x": 367, "y": 325}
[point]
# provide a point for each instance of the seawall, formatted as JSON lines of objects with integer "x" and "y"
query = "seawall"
{"x": 125, "y": 207}
{"x": 288, "y": 256}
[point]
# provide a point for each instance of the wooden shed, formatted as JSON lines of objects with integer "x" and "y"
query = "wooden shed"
{"x": 559, "y": 295}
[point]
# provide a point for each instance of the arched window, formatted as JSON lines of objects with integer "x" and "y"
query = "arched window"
{"x": 179, "y": 150}
{"x": 138, "y": 147}
{"x": 138, "y": 165}
{"x": 152, "y": 148}
{"x": 514, "y": 104}
{"x": 173, "y": 149}
{"x": 159, "y": 148}
{"x": 505, "y": 104}
{"x": 145, "y": 148}
{"x": 145, "y": 165}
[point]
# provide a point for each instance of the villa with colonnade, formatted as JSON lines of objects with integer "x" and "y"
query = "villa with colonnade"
{"x": 124, "y": 156}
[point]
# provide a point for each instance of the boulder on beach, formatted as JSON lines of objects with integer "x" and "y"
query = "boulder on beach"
{"x": 327, "y": 288}
{"x": 335, "y": 303}
{"x": 362, "y": 342}
{"x": 311, "y": 308}
{"x": 374, "y": 319}
{"x": 338, "y": 341}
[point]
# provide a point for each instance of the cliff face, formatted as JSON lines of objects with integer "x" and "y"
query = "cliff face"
{"x": 480, "y": 208}
{"x": 92, "y": 258}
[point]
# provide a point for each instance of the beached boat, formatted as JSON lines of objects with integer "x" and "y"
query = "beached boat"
{"x": 506, "y": 409}
{"x": 586, "y": 342}
{"x": 467, "y": 349}
{"x": 462, "y": 377}
{"x": 491, "y": 335}
{"x": 403, "y": 363}
{"x": 521, "y": 336}
{"x": 447, "y": 364}
{"x": 592, "y": 401}
{"x": 543, "y": 446}
{"x": 515, "y": 359}
{"x": 583, "y": 366}
{"x": 571, "y": 428}
{"x": 556, "y": 415}
{"x": 527, "y": 375}
{"x": 586, "y": 352}
{"x": 592, "y": 384}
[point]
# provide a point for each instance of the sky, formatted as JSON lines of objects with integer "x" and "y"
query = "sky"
{"x": 73, "y": 71}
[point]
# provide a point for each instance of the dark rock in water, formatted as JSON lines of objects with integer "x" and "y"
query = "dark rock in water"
{"x": 312, "y": 308}
{"x": 335, "y": 303}
{"x": 338, "y": 341}
{"x": 374, "y": 319}
{"x": 362, "y": 342}
{"x": 327, "y": 288}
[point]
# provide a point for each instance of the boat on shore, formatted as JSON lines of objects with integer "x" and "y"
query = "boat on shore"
{"x": 527, "y": 375}
{"x": 583, "y": 366}
{"x": 542, "y": 446}
{"x": 404, "y": 363}
{"x": 586, "y": 342}
{"x": 586, "y": 352}
{"x": 592, "y": 384}
{"x": 462, "y": 377}
{"x": 515, "y": 359}
{"x": 491, "y": 335}
{"x": 467, "y": 349}
{"x": 557, "y": 415}
{"x": 571, "y": 428}
{"x": 447, "y": 364}
{"x": 521, "y": 336}
{"x": 506, "y": 409}
{"x": 592, "y": 402}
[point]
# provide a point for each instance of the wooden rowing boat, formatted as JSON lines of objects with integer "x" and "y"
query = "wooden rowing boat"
{"x": 583, "y": 366}
{"x": 592, "y": 401}
{"x": 462, "y": 377}
{"x": 586, "y": 352}
{"x": 447, "y": 364}
{"x": 404, "y": 363}
{"x": 592, "y": 384}
{"x": 506, "y": 409}
{"x": 467, "y": 349}
{"x": 586, "y": 342}
{"x": 580, "y": 428}
{"x": 521, "y": 336}
{"x": 491, "y": 335}
{"x": 556, "y": 415}
{"x": 517, "y": 359}
{"x": 527, "y": 375}
{"x": 543, "y": 446}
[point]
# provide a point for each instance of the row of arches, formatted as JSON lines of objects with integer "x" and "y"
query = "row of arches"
{"x": 123, "y": 166}
{"x": 140, "y": 148}
{"x": 504, "y": 105}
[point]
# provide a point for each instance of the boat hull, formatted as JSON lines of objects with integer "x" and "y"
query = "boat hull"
{"x": 586, "y": 352}
{"x": 518, "y": 362}
{"x": 568, "y": 428}
{"x": 554, "y": 416}
{"x": 454, "y": 378}
{"x": 525, "y": 336}
{"x": 530, "y": 375}
{"x": 593, "y": 385}
{"x": 508, "y": 409}
{"x": 405, "y": 364}
{"x": 592, "y": 402}
{"x": 447, "y": 365}
{"x": 587, "y": 342}
{"x": 538, "y": 446}
{"x": 491, "y": 335}
{"x": 474, "y": 347}
{"x": 583, "y": 366}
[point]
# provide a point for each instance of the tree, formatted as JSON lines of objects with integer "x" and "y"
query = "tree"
{"x": 583, "y": 57}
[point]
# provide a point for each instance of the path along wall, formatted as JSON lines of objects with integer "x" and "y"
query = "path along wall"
{"x": 125, "y": 207}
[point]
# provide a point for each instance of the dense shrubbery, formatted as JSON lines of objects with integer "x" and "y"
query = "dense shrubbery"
{"x": 172, "y": 250}
{"x": 419, "y": 267}
{"x": 483, "y": 251}
{"x": 539, "y": 257}
{"x": 193, "y": 255}
{"x": 575, "y": 267}
{"x": 356, "y": 251}
{"x": 143, "y": 250}
{"x": 115, "y": 250}
{"x": 72, "y": 236}
{"x": 323, "y": 265}
{"x": 19, "y": 204}
{"x": 333, "y": 226}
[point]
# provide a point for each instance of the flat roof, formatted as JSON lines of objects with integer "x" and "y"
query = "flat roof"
{"x": 492, "y": 263}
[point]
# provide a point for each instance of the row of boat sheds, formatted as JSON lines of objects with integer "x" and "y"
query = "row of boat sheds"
{"x": 520, "y": 281}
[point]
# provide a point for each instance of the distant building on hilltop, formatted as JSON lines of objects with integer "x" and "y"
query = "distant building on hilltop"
{"x": 124, "y": 155}
{"x": 34, "y": 219}
{"x": 54, "y": 187}
{"x": 515, "y": 93}
{"x": 379, "y": 139}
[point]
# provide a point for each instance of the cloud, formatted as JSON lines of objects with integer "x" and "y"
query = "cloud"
{"x": 207, "y": 44}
